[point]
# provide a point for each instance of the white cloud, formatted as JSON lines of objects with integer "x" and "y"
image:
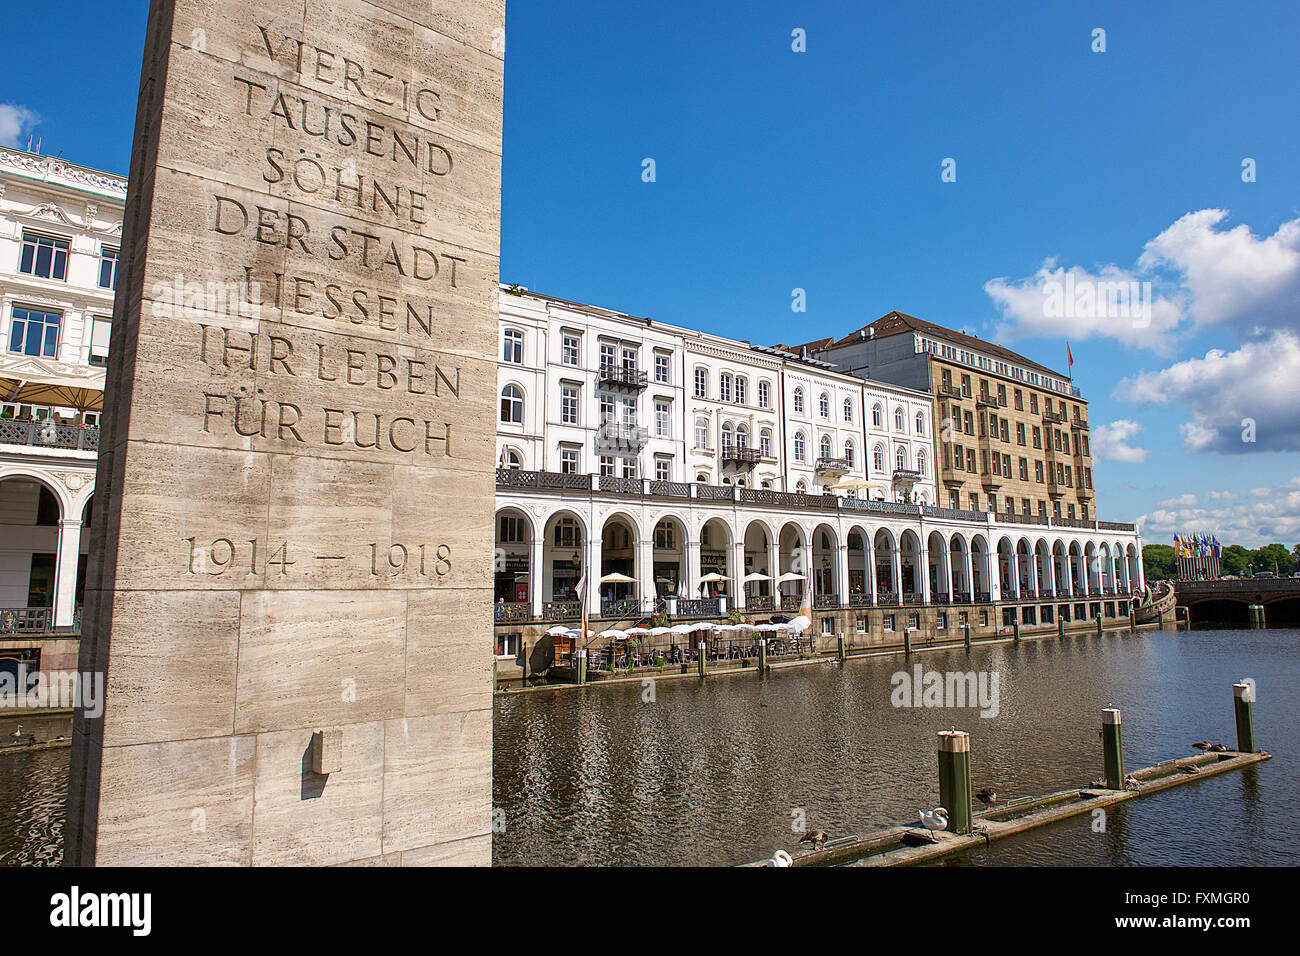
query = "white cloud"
{"x": 1223, "y": 495}
{"x": 1110, "y": 442}
{"x": 1110, "y": 302}
{"x": 1199, "y": 277}
{"x": 1182, "y": 501}
{"x": 1271, "y": 516}
{"x": 1232, "y": 277}
{"x": 1240, "y": 401}
{"x": 16, "y": 122}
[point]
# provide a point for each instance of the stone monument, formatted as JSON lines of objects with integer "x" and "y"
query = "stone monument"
{"x": 290, "y": 586}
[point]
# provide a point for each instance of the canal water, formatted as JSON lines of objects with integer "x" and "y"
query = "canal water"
{"x": 721, "y": 772}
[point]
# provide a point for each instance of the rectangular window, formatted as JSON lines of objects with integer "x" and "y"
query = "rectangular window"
{"x": 762, "y": 395}
{"x": 662, "y": 417}
{"x": 701, "y": 383}
{"x": 1038, "y": 438}
{"x": 569, "y": 461}
{"x": 608, "y": 356}
{"x": 629, "y": 467}
{"x": 970, "y": 459}
{"x": 724, "y": 388}
{"x": 629, "y": 359}
{"x": 607, "y": 410}
{"x": 661, "y": 369}
{"x": 1024, "y": 469}
{"x": 974, "y": 502}
{"x": 740, "y": 391}
{"x": 607, "y": 465}
{"x": 1020, "y": 433}
{"x": 569, "y": 405}
{"x": 44, "y": 256}
{"x": 889, "y": 622}
{"x": 108, "y": 268}
{"x": 100, "y": 328}
{"x": 663, "y": 469}
{"x": 33, "y": 332}
{"x": 569, "y": 350}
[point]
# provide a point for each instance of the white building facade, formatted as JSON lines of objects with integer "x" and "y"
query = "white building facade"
{"x": 60, "y": 237}
{"x": 748, "y": 479}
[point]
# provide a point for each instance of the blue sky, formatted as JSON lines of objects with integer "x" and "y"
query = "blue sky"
{"x": 820, "y": 170}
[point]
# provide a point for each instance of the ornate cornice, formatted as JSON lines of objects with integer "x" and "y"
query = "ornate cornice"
{"x": 49, "y": 169}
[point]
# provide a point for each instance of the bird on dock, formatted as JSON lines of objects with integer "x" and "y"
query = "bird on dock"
{"x": 17, "y": 735}
{"x": 987, "y": 796}
{"x": 1189, "y": 769}
{"x": 932, "y": 820}
{"x": 1131, "y": 783}
{"x": 780, "y": 858}
{"x": 1202, "y": 745}
{"x": 1218, "y": 749}
{"x": 816, "y": 838}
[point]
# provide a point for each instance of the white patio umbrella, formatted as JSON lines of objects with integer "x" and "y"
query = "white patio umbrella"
{"x": 767, "y": 627}
{"x": 656, "y": 631}
{"x": 756, "y": 576}
{"x": 789, "y": 576}
{"x": 712, "y": 577}
{"x": 636, "y": 631}
{"x": 746, "y": 626}
{"x": 612, "y": 632}
{"x": 558, "y": 630}
{"x": 615, "y": 578}
{"x": 688, "y": 628}
{"x": 798, "y": 625}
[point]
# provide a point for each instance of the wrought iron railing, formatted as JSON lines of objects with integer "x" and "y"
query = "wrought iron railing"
{"x": 561, "y": 611}
{"x": 46, "y": 434}
{"x": 628, "y": 377}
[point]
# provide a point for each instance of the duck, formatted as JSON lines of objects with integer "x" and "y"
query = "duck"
{"x": 987, "y": 796}
{"x": 816, "y": 838}
{"x": 17, "y": 735}
{"x": 1131, "y": 783}
{"x": 1202, "y": 745}
{"x": 780, "y": 858}
{"x": 1218, "y": 749}
{"x": 932, "y": 820}
{"x": 1189, "y": 769}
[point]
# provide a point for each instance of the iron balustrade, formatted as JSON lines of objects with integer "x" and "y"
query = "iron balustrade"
{"x": 698, "y": 607}
{"x": 825, "y": 602}
{"x": 833, "y": 465}
{"x": 610, "y": 484}
{"x": 859, "y": 600}
{"x": 46, "y": 434}
{"x": 623, "y": 377}
{"x": 741, "y": 455}
{"x": 512, "y": 612}
{"x": 791, "y": 602}
{"x": 760, "y": 603}
{"x": 620, "y": 607}
{"x": 561, "y": 611}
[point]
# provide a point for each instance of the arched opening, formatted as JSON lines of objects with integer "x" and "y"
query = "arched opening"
{"x": 1006, "y": 569}
{"x": 825, "y": 558}
{"x": 958, "y": 557}
{"x": 887, "y": 577}
{"x": 42, "y": 567}
{"x": 1024, "y": 572}
{"x": 512, "y": 570}
{"x": 758, "y": 561}
{"x": 668, "y": 558}
{"x": 618, "y": 547}
{"x": 859, "y": 567}
{"x": 981, "y": 575}
{"x": 792, "y": 582}
{"x": 937, "y": 558}
{"x": 1043, "y": 568}
{"x": 909, "y": 555}
{"x": 715, "y": 558}
{"x": 563, "y": 557}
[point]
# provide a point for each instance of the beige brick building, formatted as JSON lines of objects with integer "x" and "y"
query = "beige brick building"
{"x": 1013, "y": 435}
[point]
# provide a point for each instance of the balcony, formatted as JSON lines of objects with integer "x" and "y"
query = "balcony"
{"x": 950, "y": 391}
{"x": 621, "y": 439}
{"x": 907, "y": 475}
{"x": 46, "y": 434}
{"x": 832, "y": 467}
{"x": 1055, "y": 418}
{"x": 1079, "y": 422}
{"x": 616, "y": 376}
{"x": 990, "y": 401}
{"x": 741, "y": 455}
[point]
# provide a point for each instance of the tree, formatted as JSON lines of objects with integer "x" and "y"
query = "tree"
{"x": 1273, "y": 557}
{"x": 1158, "y": 562}
{"x": 1234, "y": 560}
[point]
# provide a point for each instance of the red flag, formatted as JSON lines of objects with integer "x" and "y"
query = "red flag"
{"x": 1069, "y": 353}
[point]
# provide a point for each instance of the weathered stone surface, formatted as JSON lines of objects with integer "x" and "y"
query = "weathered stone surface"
{"x": 295, "y": 474}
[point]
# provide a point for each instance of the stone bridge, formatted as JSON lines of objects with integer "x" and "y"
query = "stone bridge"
{"x": 1229, "y": 601}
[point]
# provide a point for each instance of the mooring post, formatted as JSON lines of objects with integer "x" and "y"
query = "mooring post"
{"x": 1112, "y": 748}
{"x": 1099, "y": 625}
{"x": 1132, "y": 619}
{"x": 966, "y": 632}
{"x": 1017, "y": 630}
{"x": 907, "y": 640}
{"x": 582, "y": 665}
{"x": 1182, "y": 614}
{"x": 1160, "y": 619}
{"x": 954, "y": 778}
{"x": 702, "y": 663}
{"x": 843, "y": 650}
{"x": 1060, "y": 627}
{"x": 1257, "y": 615}
{"x": 762, "y": 655}
{"x": 1243, "y": 700}
{"x": 523, "y": 646}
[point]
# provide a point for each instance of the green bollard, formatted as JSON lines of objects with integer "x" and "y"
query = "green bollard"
{"x": 762, "y": 655}
{"x": 1060, "y": 627}
{"x": 1099, "y": 625}
{"x": 1112, "y": 748}
{"x": 702, "y": 663}
{"x": 966, "y": 632}
{"x": 1132, "y": 619}
{"x": 1243, "y": 700}
{"x": 843, "y": 650}
{"x": 1017, "y": 630}
{"x": 582, "y": 666}
{"x": 907, "y": 640}
{"x": 954, "y": 778}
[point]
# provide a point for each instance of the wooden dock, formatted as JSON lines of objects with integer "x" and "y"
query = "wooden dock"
{"x": 906, "y": 845}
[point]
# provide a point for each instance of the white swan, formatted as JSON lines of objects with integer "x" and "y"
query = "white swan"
{"x": 932, "y": 820}
{"x": 780, "y": 858}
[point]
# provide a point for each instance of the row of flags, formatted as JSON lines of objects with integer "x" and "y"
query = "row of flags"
{"x": 1196, "y": 546}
